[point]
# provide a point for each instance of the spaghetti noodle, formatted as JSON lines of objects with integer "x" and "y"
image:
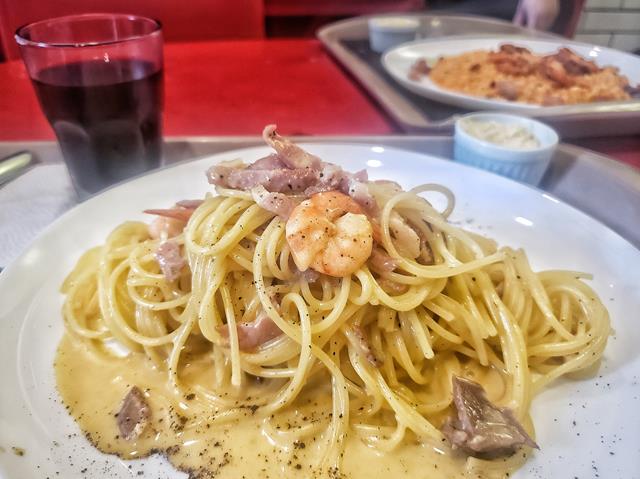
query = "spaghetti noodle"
{"x": 360, "y": 363}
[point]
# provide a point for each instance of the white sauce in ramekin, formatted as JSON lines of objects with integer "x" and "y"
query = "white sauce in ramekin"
{"x": 509, "y": 135}
{"x": 396, "y": 24}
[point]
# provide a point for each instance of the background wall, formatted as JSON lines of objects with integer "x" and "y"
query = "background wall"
{"x": 614, "y": 23}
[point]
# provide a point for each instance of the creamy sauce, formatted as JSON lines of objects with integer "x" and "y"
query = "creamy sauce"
{"x": 508, "y": 135}
{"x": 93, "y": 387}
{"x": 401, "y": 24}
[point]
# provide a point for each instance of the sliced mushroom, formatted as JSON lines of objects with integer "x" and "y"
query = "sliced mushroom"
{"x": 481, "y": 428}
{"x": 134, "y": 414}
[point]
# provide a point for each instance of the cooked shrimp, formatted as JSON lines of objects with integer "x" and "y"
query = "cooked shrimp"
{"x": 513, "y": 63}
{"x": 329, "y": 233}
{"x": 574, "y": 64}
{"x": 555, "y": 71}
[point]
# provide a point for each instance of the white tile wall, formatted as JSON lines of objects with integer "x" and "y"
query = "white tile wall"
{"x": 628, "y": 42}
{"x": 609, "y": 21}
{"x": 603, "y": 4}
{"x": 614, "y": 23}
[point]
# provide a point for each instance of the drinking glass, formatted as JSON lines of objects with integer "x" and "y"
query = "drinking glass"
{"x": 99, "y": 81}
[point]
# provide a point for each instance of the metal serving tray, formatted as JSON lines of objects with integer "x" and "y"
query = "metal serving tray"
{"x": 348, "y": 42}
{"x": 600, "y": 186}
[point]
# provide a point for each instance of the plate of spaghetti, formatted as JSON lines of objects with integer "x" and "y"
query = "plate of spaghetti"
{"x": 514, "y": 73}
{"x": 320, "y": 311}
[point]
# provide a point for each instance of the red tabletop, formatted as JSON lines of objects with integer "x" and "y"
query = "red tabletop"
{"x": 229, "y": 88}
{"x": 623, "y": 148}
{"x": 236, "y": 87}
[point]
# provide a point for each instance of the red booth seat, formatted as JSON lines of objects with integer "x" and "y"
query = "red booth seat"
{"x": 189, "y": 20}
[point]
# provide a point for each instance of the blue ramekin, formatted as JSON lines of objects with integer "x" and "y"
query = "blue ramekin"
{"x": 525, "y": 165}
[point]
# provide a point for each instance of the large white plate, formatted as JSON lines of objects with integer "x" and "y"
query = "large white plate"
{"x": 398, "y": 61}
{"x": 580, "y": 425}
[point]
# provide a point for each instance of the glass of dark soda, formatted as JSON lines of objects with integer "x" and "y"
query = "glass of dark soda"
{"x": 98, "y": 78}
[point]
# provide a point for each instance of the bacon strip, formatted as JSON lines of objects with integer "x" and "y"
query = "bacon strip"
{"x": 181, "y": 211}
{"x": 381, "y": 261}
{"x": 189, "y": 204}
{"x": 406, "y": 239}
{"x": 170, "y": 260}
{"x": 277, "y": 203}
{"x": 290, "y": 153}
{"x": 291, "y": 170}
{"x": 171, "y": 221}
{"x": 358, "y": 338}
{"x": 181, "y": 214}
{"x": 279, "y": 180}
{"x": 253, "y": 334}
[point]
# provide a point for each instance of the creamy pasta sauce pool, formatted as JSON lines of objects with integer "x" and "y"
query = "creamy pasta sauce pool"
{"x": 93, "y": 389}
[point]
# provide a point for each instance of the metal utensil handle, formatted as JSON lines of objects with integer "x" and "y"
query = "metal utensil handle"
{"x": 14, "y": 165}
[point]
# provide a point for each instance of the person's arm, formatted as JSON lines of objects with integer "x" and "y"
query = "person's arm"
{"x": 538, "y": 14}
